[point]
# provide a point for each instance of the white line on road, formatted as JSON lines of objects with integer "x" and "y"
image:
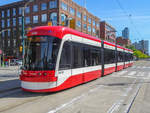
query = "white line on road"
{"x": 74, "y": 100}
{"x": 132, "y": 73}
{"x": 122, "y": 72}
{"x": 116, "y": 105}
{"x": 127, "y": 109}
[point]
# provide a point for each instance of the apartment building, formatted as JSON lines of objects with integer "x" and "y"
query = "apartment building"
{"x": 40, "y": 13}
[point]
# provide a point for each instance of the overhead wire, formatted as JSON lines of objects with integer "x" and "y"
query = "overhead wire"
{"x": 130, "y": 19}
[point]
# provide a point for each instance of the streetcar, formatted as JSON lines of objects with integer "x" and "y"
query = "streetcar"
{"x": 57, "y": 58}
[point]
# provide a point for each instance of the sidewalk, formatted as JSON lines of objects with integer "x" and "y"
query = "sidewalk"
{"x": 9, "y": 78}
{"x": 9, "y": 84}
{"x": 10, "y": 68}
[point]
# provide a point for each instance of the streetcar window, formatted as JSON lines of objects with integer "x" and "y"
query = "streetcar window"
{"x": 65, "y": 60}
{"x": 126, "y": 57}
{"x": 87, "y": 56}
{"x": 120, "y": 56}
{"x": 96, "y": 56}
{"x": 91, "y": 56}
{"x": 77, "y": 55}
{"x": 109, "y": 56}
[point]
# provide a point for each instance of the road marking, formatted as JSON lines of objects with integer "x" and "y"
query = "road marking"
{"x": 132, "y": 73}
{"x": 116, "y": 105}
{"x": 128, "y": 107}
{"x": 75, "y": 100}
{"x": 141, "y": 74}
{"x": 121, "y": 73}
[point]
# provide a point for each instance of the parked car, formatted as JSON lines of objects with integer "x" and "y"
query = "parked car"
{"x": 18, "y": 62}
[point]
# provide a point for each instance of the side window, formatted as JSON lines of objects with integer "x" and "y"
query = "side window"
{"x": 77, "y": 55}
{"x": 87, "y": 56}
{"x": 65, "y": 60}
{"x": 96, "y": 56}
{"x": 120, "y": 56}
{"x": 109, "y": 56}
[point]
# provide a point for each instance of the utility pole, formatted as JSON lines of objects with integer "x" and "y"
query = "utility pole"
{"x": 23, "y": 26}
{"x": 2, "y": 50}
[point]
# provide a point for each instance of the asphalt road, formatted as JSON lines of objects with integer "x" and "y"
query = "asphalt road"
{"x": 126, "y": 91}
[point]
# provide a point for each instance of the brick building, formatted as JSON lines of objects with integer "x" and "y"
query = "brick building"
{"x": 39, "y": 13}
{"x": 107, "y": 32}
{"x": 123, "y": 41}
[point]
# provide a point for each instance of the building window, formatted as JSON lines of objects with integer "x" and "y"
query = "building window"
{"x": 3, "y": 23}
{"x": 20, "y": 20}
{"x": 64, "y": 6}
{"x": 3, "y": 34}
{"x": 85, "y": 26}
{"x": 53, "y": 18}
{"x": 35, "y": 19}
{"x": 94, "y": 31}
{"x": 14, "y": 11}
{"x": 14, "y": 21}
{"x": 89, "y": 28}
{"x": 14, "y": 32}
{"x": 14, "y": 42}
{"x": 84, "y": 17}
{"x": 97, "y": 25}
{"x": 78, "y": 23}
{"x": 20, "y": 10}
{"x": 8, "y": 33}
{"x": 8, "y": 43}
{"x": 3, "y": 43}
{"x": 63, "y": 18}
{"x": 72, "y": 11}
{"x": 8, "y": 13}
{"x": 89, "y": 20}
{"x": 43, "y": 6}
{"x": 53, "y": 4}
{"x": 93, "y": 23}
{"x": 8, "y": 22}
{"x": 35, "y": 8}
{"x": 3, "y": 14}
{"x": 27, "y": 9}
{"x": 79, "y": 14}
{"x": 44, "y": 17}
{"x": 27, "y": 20}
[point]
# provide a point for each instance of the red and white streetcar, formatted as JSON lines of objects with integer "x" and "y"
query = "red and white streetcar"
{"x": 57, "y": 58}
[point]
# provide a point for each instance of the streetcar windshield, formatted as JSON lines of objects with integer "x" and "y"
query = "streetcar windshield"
{"x": 41, "y": 53}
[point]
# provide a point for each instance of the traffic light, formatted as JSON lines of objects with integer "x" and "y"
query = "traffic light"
{"x": 72, "y": 23}
{"x": 50, "y": 23}
{"x": 63, "y": 23}
{"x": 20, "y": 48}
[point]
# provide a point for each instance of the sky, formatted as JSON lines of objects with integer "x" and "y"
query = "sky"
{"x": 134, "y": 14}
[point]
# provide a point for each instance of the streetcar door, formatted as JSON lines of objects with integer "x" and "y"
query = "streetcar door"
{"x": 77, "y": 63}
{"x": 64, "y": 71}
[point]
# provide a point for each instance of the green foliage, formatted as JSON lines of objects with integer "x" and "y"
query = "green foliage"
{"x": 138, "y": 53}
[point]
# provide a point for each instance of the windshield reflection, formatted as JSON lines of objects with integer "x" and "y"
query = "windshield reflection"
{"x": 41, "y": 53}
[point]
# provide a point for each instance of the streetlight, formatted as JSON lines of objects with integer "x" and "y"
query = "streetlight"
{"x": 23, "y": 32}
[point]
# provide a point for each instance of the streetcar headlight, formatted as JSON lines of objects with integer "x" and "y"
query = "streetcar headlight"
{"x": 39, "y": 74}
{"x": 44, "y": 74}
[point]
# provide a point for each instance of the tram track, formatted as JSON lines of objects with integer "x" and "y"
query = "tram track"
{"x": 18, "y": 93}
{"x": 17, "y": 105}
